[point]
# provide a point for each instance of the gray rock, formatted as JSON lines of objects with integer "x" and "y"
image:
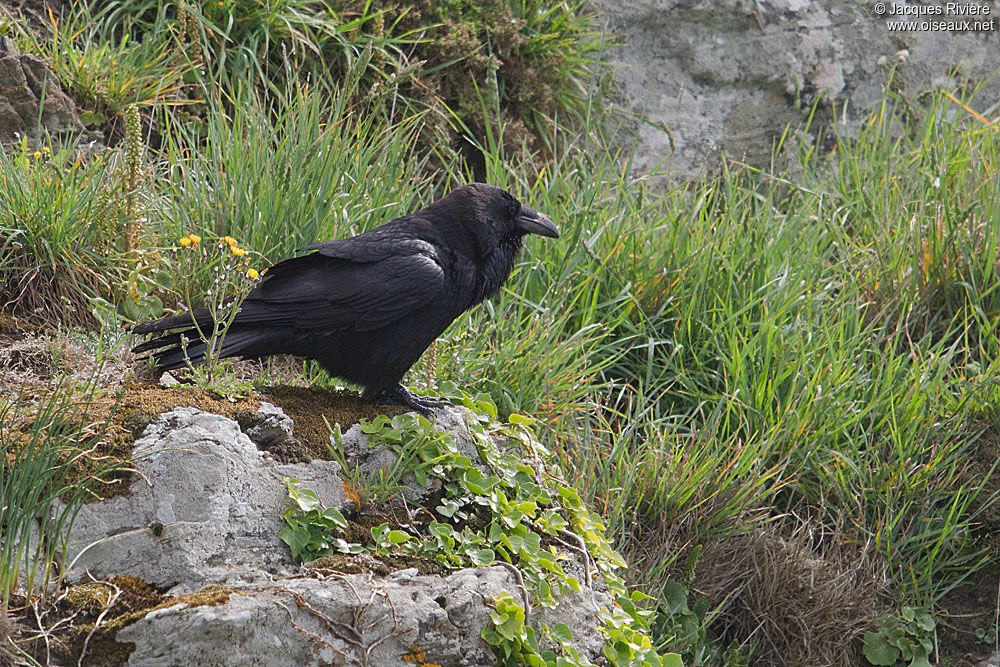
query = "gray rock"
{"x": 353, "y": 619}
{"x": 32, "y": 102}
{"x": 204, "y": 508}
{"x": 167, "y": 380}
{"x": 720, "y": 76}
{"x": 272, "y": 417}
{"x": 992, "y": 661}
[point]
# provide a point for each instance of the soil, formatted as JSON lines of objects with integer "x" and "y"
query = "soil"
{"x": 310, "y": 408}
{"x": 964, "y": 611}
{"x": 973, "y": 607}
{"x": 35, "y": 12}
{"x": 88, "y": 615}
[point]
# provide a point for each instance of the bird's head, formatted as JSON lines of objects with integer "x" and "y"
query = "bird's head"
{"x": 502, "y": 213}
{"x": 492, "y": 224}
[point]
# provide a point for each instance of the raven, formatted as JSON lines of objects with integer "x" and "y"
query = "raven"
{"x": 366, "y": 307}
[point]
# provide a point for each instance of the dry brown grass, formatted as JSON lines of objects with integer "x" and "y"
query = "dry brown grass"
{"x": 48, "y": 296}
{"x": 800, "y": 595}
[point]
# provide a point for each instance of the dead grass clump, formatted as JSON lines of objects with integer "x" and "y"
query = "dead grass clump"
{"x": 50, "y": 295}
{"x": 800, "y": 597}
{"x": 39, "y": 361}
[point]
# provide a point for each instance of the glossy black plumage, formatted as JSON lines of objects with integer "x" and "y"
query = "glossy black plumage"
{"x": 367, "y": 307}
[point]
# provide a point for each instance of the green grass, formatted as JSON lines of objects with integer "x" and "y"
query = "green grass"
{"x": 279, "y": 176}
{"x": 104, "y": 65}
{"x": 813, "y": 346}
{"x": 48, "y": 463}
{"x": 825, "y": 347}
{"x": 61, "y": 233}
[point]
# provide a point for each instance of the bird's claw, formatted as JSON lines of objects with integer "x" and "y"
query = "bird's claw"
{"x": 425, "y": 405}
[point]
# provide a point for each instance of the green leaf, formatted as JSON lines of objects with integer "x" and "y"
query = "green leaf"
{"x": 397, "y": 537}
{"x": 878, "y": 651}
{"x": 482, "y": 557}
{"x": 561, "y": 631}
{"x": 334, "y": 515}
{"x": 93, "y": 119}
{"x": 297, "y": 540}
{"x": 490, "y": 636}
{"x": 675, "y": 597}
{"x": 516, "y": 418}
{"x": 925, "y": 621}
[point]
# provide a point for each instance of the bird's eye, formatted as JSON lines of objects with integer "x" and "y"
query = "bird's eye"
{"x": 513, "y": 208}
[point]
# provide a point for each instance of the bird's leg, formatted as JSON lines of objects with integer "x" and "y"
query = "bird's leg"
{"x": 400, "y": 395}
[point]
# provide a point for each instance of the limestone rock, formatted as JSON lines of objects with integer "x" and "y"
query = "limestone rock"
{"x": 720, "y": 76}
{"x": 205, "y": 507}
{"x": 32, "y": 102}
{"x": 352, "y": 619}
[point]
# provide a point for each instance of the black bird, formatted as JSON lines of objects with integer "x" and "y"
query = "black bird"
{"x": 366, "y": 307}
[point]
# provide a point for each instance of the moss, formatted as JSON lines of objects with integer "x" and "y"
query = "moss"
{"x": 103, "y": 648}
{"x": 382, "y": 565}
{"x": 90, "y": 598}
{"x": 308, "y": 407}
{"x": 141, "y": 404}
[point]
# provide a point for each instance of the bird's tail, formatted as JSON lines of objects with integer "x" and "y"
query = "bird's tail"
{"x": 178, "y": 349}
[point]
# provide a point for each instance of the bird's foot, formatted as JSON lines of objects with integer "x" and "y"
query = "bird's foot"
{"x": 425, "y": 405}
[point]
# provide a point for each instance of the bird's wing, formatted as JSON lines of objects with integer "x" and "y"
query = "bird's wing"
{"x": 344, "y": 287}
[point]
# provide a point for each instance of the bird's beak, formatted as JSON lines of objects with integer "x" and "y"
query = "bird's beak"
{"x": 533, "y": 222}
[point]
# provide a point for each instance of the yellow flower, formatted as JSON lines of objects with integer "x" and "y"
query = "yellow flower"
{"x": 186, "y": 241}
{"x": 239, "y": 252}
{"x": 195, "y": 239}
{"x": 38, "y": 156}
{"x": 230, "y": 240}
{"x": 252, "y": 273}
{"x": 46, "y": 150}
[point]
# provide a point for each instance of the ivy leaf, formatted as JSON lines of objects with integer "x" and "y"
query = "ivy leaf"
{"x": 878, "y": 651}
{"x": 561, "y": 631}
{"x": 297, "y": 540}
{"x": 482, "y": 557}
{"x": 397, "y": 537}
{"x": 516, "y": 418}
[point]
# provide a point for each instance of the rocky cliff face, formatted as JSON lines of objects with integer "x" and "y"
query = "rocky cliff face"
{"x": 726, "y": 77}
{"x": 32, "y": 102}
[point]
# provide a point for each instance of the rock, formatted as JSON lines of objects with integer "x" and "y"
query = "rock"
{"x": 271, "y": 417}
{"x": 272, "y": 433}
{"x": 351, "y": 619}
{"x": 720, "y": 76}
{"x": 992, "y": 661}
{"x": 204, "y": 508}
{"x": 167, "y": 380}
{"x": 32, "y": 102}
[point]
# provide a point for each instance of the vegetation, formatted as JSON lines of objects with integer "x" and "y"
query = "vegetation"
{"x": 49, "y": 460}
{"x": 504, "y": 516}
{"x": 778, "y": 377}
